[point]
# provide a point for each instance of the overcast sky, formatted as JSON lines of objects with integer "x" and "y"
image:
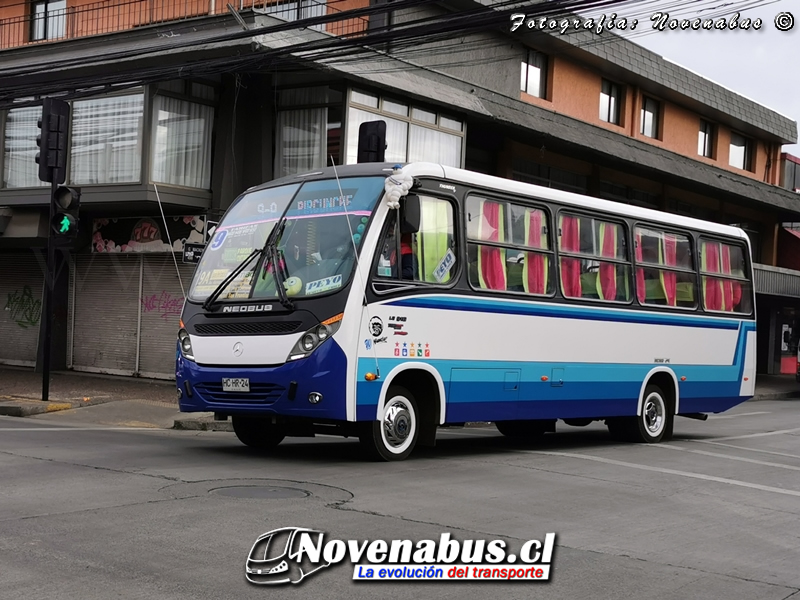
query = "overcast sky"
{"x": 762, "y": 65}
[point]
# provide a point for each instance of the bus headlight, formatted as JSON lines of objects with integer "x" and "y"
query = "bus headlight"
{"x": 186, "y": 344}
{"x": 312, "y": 338}
{"x": 309, "y": 342}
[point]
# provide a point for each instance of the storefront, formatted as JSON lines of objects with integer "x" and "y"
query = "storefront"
{"x": 127, "y": 295}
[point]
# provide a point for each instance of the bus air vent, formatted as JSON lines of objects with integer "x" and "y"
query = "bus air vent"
{"x": 248, "y": 328}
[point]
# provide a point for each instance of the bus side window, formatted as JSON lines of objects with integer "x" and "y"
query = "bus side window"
{"x": 427, "y": 255}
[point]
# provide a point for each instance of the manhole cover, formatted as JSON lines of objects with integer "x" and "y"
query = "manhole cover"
{"x": 260, "y": 492}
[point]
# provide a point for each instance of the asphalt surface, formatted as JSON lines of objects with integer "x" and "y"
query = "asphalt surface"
{"x": 95, "y": 511}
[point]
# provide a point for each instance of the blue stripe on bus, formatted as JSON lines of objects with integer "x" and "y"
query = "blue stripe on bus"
{"x": 463, "y": 303}
{"x": 503, "y": 390}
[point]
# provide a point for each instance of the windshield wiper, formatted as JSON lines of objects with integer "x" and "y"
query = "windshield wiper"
{"x": 212, "y": 297}
{"x": 274, "y": 257}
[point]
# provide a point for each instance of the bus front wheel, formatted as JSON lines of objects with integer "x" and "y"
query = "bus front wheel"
{"x": 394, "y": 435}
{"x": 256, "y": 432}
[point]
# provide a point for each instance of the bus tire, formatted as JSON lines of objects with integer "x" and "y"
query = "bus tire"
{"x": 257, "y": 432}
{"x": 394, "y": 435}
{"x": 655, "y": 422}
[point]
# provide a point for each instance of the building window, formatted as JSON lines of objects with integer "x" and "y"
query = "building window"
{"x": 181, "y": 148}
{"x": 309, "y": 130}
{"x": 533, "y": 75}
{"x": 547, "y": 176}
{"x": 649, "y": 124}
{"x": 48, "y": 19}
{"x": 705, "y": 139}
{"x": 741, "y": 152}
{"x": 609, "y": 102}
{"x": 425, "y": 135}
{"x": 295, "y": 11}
{"x": 19, "y": 150}
{"x": 106, "y": 140}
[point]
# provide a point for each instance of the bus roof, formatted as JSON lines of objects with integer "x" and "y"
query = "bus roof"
{"x": 422, "y": 169}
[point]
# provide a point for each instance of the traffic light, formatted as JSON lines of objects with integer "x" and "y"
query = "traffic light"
{"x": 66, "y": 202}
{"x": 52, "y": 141}
{"x": 371, "y": 142}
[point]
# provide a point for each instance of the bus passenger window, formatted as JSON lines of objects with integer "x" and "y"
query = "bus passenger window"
{"x": 664, "y": 272}
{"x": 509, "y": 247}
{"x": 724, "y": 285}
{"x": 593, "y": 262}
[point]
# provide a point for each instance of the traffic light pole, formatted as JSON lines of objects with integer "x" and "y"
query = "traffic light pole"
{"x": 48, "y": 300}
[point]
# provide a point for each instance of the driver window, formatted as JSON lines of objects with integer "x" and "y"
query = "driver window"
{"x": 427, "y": 255}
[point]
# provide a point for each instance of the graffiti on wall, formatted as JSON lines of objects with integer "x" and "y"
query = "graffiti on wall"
{"x": 146, "y": 235}
{"x": 164, "y": 303}
{"x": 24, "y": 309}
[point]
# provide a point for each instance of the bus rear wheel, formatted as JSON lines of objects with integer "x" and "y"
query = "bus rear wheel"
{"x": 257, "y": 432}
{"x": 653, "y": 425}
{"x": 394, "y": 435}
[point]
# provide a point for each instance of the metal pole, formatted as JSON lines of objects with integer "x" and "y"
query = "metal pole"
{"x": 48, "y": 300}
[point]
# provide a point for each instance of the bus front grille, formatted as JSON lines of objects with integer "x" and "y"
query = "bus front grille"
{"x": 262, "y": 393}
{"x": 248, "y": 328}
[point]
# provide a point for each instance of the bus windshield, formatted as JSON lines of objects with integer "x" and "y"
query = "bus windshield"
{"x": 320, "y": 234}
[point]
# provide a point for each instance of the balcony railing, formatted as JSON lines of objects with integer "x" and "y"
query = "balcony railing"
{"x": 109, "y": 16}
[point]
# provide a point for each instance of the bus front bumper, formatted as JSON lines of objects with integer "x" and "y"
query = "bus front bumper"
{"x": 312, "y": 387}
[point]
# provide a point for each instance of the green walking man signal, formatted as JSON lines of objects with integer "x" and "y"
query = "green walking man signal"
{"x": 65, "y": 206}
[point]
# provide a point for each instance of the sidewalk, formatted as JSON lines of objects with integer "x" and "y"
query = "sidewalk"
{"x": 149, "y": 402}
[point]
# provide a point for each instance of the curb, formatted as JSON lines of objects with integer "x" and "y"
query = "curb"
{"x": 20, "y": 406}
{"x": 202, "y": 425}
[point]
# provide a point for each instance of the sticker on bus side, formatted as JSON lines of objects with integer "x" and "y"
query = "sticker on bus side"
{"x": 323, "y": 285}
{"x": 445, "y": 265}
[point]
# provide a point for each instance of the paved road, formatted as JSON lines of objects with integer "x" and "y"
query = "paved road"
{"x": 95, "y": 512}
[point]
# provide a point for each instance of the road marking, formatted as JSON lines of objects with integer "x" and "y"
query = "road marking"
{"x": 752, "y": 435}
{"x": 80, "y": 429}
{"x": 750, "y": 414}
{"x": 718, "y": 455}
{"x": 786, "y": 454}
{"x": 755, "y": 486}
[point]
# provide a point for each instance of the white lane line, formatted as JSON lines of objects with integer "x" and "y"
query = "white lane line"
{"x": 718, "y": 455}
{"x": 753, "y": 435}
{"x": 619, "y": 463}
{"x": 786, "y": 454}
{"x": 67, "y": 429}
{"x": 750, "y": 414}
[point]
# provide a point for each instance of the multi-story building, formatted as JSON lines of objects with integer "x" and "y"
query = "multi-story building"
{"x": 180, "y": 106}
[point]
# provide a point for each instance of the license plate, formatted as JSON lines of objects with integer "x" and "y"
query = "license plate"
{"x": 235, "y": 384}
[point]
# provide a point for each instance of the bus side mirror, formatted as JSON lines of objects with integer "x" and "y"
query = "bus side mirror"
{"x": 409, "y": 214}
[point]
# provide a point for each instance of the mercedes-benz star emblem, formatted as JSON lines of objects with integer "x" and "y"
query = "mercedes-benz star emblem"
{"x": 238, "y": 349}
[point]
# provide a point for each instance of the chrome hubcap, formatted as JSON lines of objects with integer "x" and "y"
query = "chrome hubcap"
{"x": 653, "y": 414}
{"x": 397, "y": 423}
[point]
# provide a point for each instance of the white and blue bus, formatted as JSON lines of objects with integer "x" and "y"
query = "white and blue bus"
{"x": 384, "y": 302}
